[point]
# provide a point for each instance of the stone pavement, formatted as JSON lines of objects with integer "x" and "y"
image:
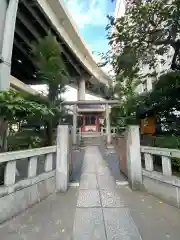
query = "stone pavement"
{"x": 100, "y": 213}
{"x": 98, "y": 209}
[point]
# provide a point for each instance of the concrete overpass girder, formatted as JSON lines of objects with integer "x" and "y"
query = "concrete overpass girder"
{"x": 57, "y": 26}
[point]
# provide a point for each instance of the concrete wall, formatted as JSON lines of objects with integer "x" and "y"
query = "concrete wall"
{"x": 25, "y": 194}
{"x": 29, "y": 176}
{"x": 165, "y": 188}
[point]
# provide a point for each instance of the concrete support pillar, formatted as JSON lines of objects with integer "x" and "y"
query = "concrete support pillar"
{"x": 74, "y": 130}
{"x": 108, "y": 125}
{"x": 7, "y": 29}
{"x": 82, "y": 89}
{"x": 134, "y": 157}
{"x": 3, "y": 9}
{"x": 62, "y": 158}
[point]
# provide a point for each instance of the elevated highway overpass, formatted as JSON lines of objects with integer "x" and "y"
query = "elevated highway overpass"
{"x": 23, "y": 22}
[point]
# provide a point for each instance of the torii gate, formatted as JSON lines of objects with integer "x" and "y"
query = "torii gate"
{"x": 92, "y": 111}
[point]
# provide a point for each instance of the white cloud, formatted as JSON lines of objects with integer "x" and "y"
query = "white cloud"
{"x": 93, "y": 13}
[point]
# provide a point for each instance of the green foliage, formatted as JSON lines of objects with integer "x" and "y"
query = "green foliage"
{"x": 24, "y": 140}
{"x": 13, "y": 106}
{"x": 166, "y": 141}
{"x": 165, "y": 95}
{"x": 16, "y": 108}
{"x": 164, "y": 102}
{"x": 126, "y": 112}
{"x": 148, "y": 30}
{"x": 124, "y": 91}
{"x": 105, "y": 91}
{"x": 52, "y": 71}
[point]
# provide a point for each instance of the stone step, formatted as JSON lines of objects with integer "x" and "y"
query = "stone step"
{"x": 87, "y": 142}
{"x": 90, "y": 134}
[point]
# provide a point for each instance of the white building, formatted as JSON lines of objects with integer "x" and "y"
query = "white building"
{"x": 120, "y": 8}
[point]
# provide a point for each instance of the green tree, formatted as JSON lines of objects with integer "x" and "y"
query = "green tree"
{"x": 164, "y": 101}
{"x": 147, "y": 31}
{"x": 52, "y": 71}
{"x": 15, "y": 108}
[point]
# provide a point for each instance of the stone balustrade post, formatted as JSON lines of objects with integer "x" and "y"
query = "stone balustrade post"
{"x": 32, "y": 167}
{"x": 166, "y": 166}
{"x": 134, "y": 157}
{"x": 149, "y": 166}
{"x": 48, "y": 162}
{"x": 10, "y": 173}
{"x": 62, "y": 158}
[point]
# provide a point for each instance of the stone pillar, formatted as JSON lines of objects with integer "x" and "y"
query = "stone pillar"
{"x": 108, "y": 126}
{"x": 62, "y": 158}
{"x": 81, "y": 89}
{"x": 74, "y": 130}
{"x": 7, "y": 29}
{"x": 134, "y": 157}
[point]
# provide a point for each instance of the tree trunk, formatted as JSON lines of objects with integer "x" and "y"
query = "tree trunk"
{"x": 49, "y": 133}
{"x": 49, "y": 129}
{"x": 175, "y": 64}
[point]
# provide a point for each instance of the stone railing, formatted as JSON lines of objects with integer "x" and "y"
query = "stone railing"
{"x": 166, "y": 156}
{"x": 11, "y": 172}
{"x": 138, "y": 163}
{"x": 163, "y": 183}
{"x": 31, "y": 175}
{"x": 27, "y": 178}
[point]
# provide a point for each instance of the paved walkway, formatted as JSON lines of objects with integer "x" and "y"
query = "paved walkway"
{"x": 100, "y": 213}
{"x": 98, "y": 209}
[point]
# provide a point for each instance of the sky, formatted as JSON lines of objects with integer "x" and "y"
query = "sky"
{"x": 90, "y": 17}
